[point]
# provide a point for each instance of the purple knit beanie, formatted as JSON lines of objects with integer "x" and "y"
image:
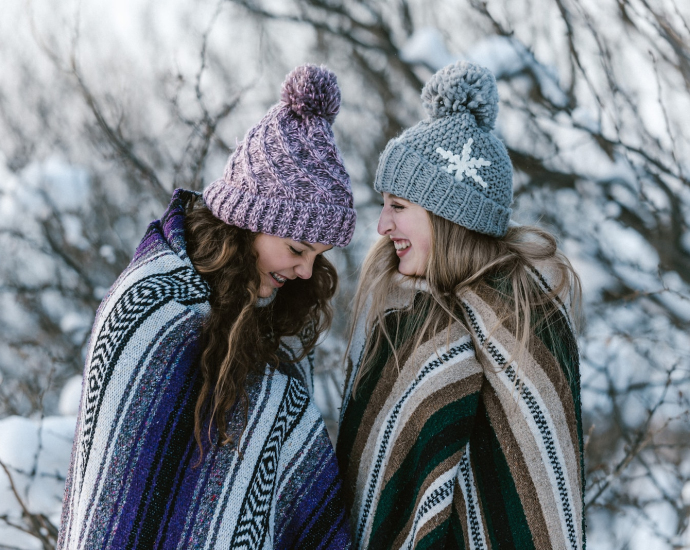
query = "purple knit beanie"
{"x": 287, "y": 177}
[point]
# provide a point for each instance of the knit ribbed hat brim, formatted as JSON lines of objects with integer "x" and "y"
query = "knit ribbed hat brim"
{"x": 405, "y": 173}
{"x": 310, "y": 222}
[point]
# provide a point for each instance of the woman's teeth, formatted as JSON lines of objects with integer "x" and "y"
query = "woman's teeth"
{"x": 278, "y": 278}
{"x": 402, "y": 245}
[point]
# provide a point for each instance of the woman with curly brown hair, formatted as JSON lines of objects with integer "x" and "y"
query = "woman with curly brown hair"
{"x": 196, "y": 428}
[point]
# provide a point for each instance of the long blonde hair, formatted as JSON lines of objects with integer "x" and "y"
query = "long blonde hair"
{"x": 461, "y": 260}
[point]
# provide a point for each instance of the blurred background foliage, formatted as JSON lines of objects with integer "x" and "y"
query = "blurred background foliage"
{"x": 106, "y": 108}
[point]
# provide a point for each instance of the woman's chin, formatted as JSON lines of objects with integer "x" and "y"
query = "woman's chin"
{"x": 410, "y": 272}
{"x": 406, "y": 271}
{"x": 265, "y": 291}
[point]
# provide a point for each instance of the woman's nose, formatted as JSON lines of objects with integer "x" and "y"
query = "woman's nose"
{"x": 385, "y": 222}
{"x": 304, "y": 269}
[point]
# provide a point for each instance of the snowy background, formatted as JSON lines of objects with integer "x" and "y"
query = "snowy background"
{"x": 106, "y": 107}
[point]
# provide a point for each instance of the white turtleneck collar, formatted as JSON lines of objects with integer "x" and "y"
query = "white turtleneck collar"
{"x": 263, "y": 302}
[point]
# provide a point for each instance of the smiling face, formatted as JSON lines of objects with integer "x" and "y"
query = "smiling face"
{"x": 408, "y": 226}
{"x": 281, "y": 259}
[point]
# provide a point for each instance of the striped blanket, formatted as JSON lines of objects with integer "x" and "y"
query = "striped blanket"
{"x": 133, "y": 481}
{"x": 457, "y": 449}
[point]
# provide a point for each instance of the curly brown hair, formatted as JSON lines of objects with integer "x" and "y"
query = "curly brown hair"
{"x": 238, "y": 338}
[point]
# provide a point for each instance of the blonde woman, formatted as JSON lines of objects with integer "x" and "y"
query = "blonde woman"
{"x": 461, "y": 424}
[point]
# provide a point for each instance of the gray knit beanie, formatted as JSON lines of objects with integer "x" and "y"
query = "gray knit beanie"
{"x": 451, "y": 163}
{"x": 287, "y": 177}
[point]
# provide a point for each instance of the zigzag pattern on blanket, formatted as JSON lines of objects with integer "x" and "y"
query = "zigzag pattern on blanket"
{"x": 252, "y": 524}
{"x": 134, "y": 481}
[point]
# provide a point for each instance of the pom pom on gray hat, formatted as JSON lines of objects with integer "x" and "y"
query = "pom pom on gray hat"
{"x": 451, "y": 164}
{"x": 287, "y": 178}
{"x": 463, "y": 87}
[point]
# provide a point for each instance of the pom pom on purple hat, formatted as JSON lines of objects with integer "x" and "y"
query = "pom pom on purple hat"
{"x": 287, "y": 178}
{"x": 312, "y": 91}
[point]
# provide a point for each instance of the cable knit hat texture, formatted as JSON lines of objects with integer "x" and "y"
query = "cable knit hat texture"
{"x": 451, "y": 163}
{"x": 286, "y": 178}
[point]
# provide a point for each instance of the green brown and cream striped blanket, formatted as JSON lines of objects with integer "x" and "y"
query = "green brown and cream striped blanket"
{"x": 458, "y": 449}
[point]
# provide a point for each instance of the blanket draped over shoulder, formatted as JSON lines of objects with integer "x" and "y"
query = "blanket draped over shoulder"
{"x": 134, "y": 481}
{"x": 455, "y": 448}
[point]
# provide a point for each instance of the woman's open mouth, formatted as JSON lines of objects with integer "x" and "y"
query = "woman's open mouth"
{"x": 279, "y": 279}
{"x": 401, "y": 246}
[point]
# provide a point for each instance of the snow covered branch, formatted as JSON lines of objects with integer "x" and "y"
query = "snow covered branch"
{"x": 98, "y": 127}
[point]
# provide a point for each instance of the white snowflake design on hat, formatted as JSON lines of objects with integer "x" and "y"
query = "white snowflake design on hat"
{"x": 464, "y": 165}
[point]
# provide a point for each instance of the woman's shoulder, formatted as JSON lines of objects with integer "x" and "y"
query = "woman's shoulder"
{"x": 156, "y": 275}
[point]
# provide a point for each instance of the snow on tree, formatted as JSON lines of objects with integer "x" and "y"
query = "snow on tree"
{"x": 104, "y": 110}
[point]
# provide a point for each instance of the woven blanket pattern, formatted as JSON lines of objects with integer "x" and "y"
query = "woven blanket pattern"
{"x": 457, "y": 448}
{"x": 136, "y": 481}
